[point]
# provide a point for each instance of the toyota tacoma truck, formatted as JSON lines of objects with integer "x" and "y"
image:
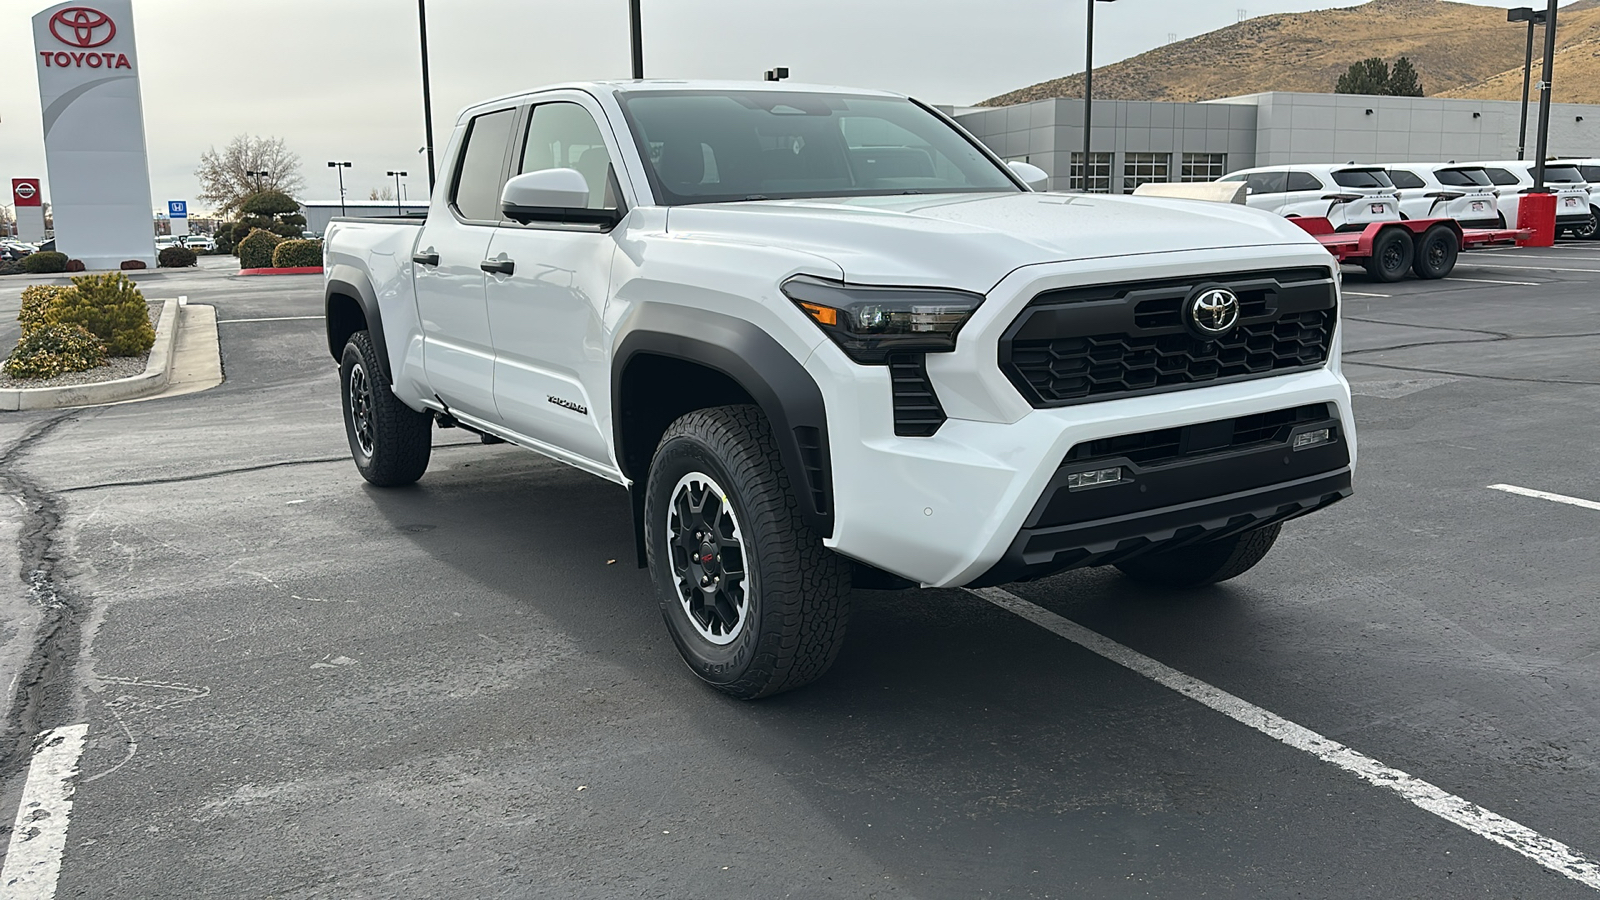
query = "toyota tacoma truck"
{"x": 825, "y": 338}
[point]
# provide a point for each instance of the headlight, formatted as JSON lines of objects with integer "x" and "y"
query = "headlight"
{"x": 869, "y": 323}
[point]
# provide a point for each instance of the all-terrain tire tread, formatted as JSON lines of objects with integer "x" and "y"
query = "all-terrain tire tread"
{"x": 402, "y": 438}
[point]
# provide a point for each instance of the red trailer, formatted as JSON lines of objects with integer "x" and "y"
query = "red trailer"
{"x": 1428, "y": 247}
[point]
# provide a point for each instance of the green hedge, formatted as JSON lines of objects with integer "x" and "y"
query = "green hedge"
{"x": 111, "y": 308}
{"x": 255, "y": 251}
{"x": 52, "y": 350}
{"x": 295, "y": 254}
{"x": 45, "y": 262}
{"x": 176, "y": 258}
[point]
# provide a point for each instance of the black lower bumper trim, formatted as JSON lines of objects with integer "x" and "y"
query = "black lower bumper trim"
{"x": 1038, "y": 552}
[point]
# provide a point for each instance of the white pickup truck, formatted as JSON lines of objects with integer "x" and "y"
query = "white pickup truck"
{"x": 824, "y": 337}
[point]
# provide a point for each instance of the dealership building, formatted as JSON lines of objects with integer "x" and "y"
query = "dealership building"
{"x": 1139, "y": 141}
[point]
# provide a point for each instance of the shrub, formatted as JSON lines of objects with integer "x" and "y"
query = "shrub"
{"x": 75, "y": 265}
{"x": 111, "y": 308}
{"x": 294, "y": 254}
{"x": 130, "y": 265}
{"x": 53, "y": 350}
{"x": 36, "y": 300}
{"x": 45, "y": 262}
{"x": 255, "y": 251}
{"x": 10, "y": 267}
{"x": 176, "y": 258}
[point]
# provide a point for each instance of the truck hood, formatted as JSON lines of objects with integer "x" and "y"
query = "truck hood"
{"x": 972, "y": 241}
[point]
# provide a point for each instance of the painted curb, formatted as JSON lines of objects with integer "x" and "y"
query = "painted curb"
{"x": 156, "y": 373}
{"x": 296, "y": 270}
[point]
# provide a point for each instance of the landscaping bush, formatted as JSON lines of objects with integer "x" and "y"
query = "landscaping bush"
{"x": 36, "y": 300}
{"x": 295, "y": 254}
{"x": 130, "y": 265}
{"x": 111, "y": 308}
{"x": 255, "y": 251}
{"x": 10, "y": 267}
{"x": 75, "y": 265}
{"x": 52, "y": 350}
{"x": 176, "y": 258}
{"x": 45, "y": 262}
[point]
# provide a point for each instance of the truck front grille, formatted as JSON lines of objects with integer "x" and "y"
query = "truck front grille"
{"x": 1081, "y": 345}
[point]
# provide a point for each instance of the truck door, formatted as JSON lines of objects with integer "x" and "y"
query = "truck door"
{"x": 458, "y": 355}
{"x": 546, "y": 311}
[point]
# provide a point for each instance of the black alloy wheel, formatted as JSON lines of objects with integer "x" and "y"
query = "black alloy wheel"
{"x": 389, "y": 441}
{"x": 1588, "y": 230}
{"x": 1437, "y": 253}
{"x": 707, "y": 555}
{"x": 1392, "y": 253}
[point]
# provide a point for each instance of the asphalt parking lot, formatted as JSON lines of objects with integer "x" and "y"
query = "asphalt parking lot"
{"x": 295, "y": 685}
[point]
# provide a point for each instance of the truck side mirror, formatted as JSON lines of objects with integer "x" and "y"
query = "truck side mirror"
{"x": 1034, "y": 177}
{"x": 552, "y": 195}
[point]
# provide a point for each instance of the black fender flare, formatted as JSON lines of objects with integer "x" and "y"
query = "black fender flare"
{"x": 348, "y": 281}
{"x": 754, "y": 360}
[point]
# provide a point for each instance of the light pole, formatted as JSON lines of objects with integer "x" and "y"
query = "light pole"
{"x": 397, "y": 176}
{"x": 1544, "y": 95}
{"x": 340, "y": 167}
{"x": 1533, "y": 18}
{"x": 427, "y": 94}
{"x": 1088, "y": 92}
{"x": 258, "y": 176}
{"x": 636, "y": 37}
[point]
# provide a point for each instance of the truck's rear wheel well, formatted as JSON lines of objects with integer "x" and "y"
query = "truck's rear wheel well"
{"x": 344, "y": 319}
{"x": 655, "y": 392}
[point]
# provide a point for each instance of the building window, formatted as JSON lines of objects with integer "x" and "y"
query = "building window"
{"x": 1144, "y": 168}
{"x": 1099, "y": 173}
{"x": 1203, "y": 166}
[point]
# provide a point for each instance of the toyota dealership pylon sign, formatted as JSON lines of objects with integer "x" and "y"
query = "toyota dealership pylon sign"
{"x": 28, "y": 198}
{"x": 94, "y": 132}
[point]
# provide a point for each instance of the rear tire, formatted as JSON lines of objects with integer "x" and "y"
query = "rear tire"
{"x": 1202, "y": 564}
{"x": 1589, "y": 230}
{"x": 1392, "y": 253}
{"x": 389, "y": 441}
{"x": 1436, "y": 253}
{"x": 754, "y": 602}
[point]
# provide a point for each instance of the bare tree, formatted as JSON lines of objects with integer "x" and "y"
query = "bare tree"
{"x": 225, "y": 180}
{"x": 381, "y": 194}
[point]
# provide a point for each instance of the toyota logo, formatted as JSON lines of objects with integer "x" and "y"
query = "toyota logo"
{"x": 25, "y": 191}
{"x": 76, "y": 25}
{"x": 1214, "y": 311}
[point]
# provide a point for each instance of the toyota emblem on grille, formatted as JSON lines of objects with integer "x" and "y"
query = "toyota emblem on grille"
{"x": 1214, "y": 311}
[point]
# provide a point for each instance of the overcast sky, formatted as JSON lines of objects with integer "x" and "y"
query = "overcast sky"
{"x": 339, "y": 79}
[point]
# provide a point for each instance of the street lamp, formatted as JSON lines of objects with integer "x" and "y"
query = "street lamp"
{"x": 777, "y": 74}
{"x": 340, "y": 167}
{"x": 397, "y": 176}
{"x": 1533, "y": 18}
{"x": 427, "y": 94}
{"x": 1088, "y": 91}
{"x": 636, "y": 37}
{"x": 1544, "y": 95}
{"x": 258, "y": 176}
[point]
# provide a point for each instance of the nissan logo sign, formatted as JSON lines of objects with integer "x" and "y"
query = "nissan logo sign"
{"x": 81, "y": 26}
{"x": 25, "y": 191}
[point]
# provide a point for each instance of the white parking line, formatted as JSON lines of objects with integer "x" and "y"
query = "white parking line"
{"x": 1547, "y": 852}
{"x": 1490, "y": 281}
{"x": 1364, "y": 294}
{"x": 33, "y": 861}
{"x": 1545, "y": 495}
{"x": 1479, "y": 265}
{"x": 271, "y": 319}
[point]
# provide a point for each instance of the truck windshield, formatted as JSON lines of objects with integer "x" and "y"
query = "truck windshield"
{"x": 1362, "y": 178}
{"x": 715, "y": 146}
{"x": 1464, "y": 178}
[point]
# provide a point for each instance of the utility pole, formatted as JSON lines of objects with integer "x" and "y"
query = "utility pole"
{"x": 427, "y": 93}
{"x": 340, "y": 167}
{"x": 1544, "y": 95}
{"x": 1525, "y": 14}
{"x": 636, "y": 34}
{"x": 1088, "y": 93}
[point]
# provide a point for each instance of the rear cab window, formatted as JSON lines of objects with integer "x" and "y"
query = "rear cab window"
{"x": 481, "y": 171}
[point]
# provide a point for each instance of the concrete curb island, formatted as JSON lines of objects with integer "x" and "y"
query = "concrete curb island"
{"x": 154, "y": 377}
{"x": 292, "y": 270}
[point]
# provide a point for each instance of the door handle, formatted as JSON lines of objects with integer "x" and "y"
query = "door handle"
{"x": 498, "y": 266}
{"x": 428, "y": 257}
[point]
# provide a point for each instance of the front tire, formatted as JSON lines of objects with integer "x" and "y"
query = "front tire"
{"x": 1392, "y": 253}
{"x": 1436, "y": 253}
{"x": 1202, "y": 564}
{"x": 389, "y": 441}
{"x": 754, "y": 602}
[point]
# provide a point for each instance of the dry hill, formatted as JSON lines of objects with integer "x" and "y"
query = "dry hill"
{"x": 1459, "y": 50}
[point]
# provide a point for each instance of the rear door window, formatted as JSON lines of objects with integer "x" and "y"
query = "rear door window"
{"x": 482, "y": 171}
{"x": 1267, "y": 182}
{"x": 1404, "y": 179}
{"x": 1303, "y": 181}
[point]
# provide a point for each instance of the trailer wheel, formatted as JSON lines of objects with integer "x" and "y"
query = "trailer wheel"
{"x": 1436, "y": 253}
{"x": 1392, "y": 252}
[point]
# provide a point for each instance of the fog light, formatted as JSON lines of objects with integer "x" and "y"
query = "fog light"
{"x": 1312, "y": 438}
{"x": 1096, "y": 478}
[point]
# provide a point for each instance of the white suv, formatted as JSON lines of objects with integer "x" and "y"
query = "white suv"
{"x": 1447, "y": 191}
{"x": 1515, "y": 178}
{"x": 1350, "y": 197}
{"x": 1590, "y": 170}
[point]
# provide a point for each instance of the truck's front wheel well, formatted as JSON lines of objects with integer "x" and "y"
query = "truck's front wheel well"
{"x": 656, "y": 391}
{"x": 344, "y": 319}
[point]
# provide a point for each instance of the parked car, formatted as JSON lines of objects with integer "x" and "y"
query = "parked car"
{"x": 827, "y": 337}
{"x": 12, "y": 250}
{"x": 199, "y": 242}
{"x": 1590, "y": 170}
{"x": 164, "y": 241}
{"x": 1447, "y": 191}
{"x": 1351, "y": 197}
{"x": 1515, "y": 178}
